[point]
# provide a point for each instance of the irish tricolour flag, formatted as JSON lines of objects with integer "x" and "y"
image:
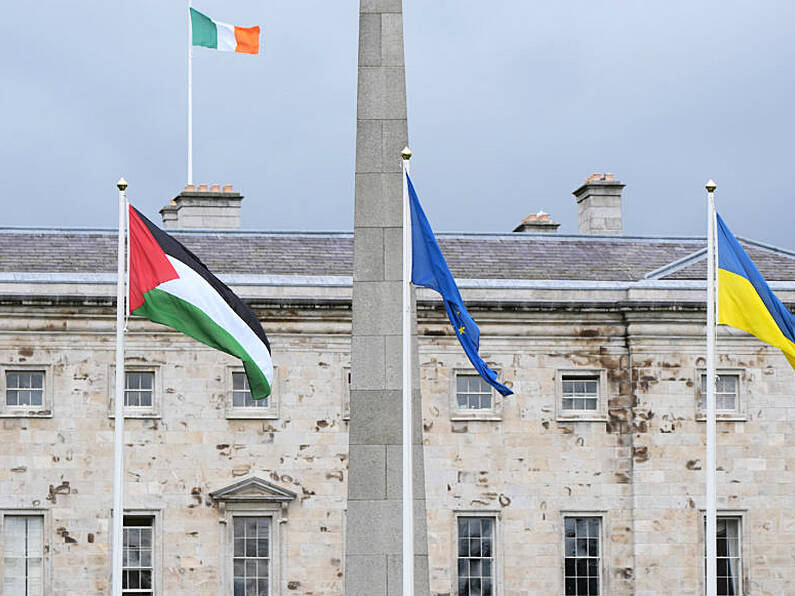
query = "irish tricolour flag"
{"x": 171, "y": 286}
{"x": 221, "y": 36}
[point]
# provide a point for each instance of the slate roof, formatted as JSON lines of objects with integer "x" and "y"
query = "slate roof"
{"x": 475, "y": 256}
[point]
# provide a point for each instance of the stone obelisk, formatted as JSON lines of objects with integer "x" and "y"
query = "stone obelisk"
{"x": 373, "y": 543}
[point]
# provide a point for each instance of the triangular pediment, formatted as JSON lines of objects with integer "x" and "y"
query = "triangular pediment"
{"x": 254, "y": 490}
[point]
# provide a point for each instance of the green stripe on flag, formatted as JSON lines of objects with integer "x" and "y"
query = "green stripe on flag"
{"x": 161, "y": 307}
{"x": 205, "y": 33}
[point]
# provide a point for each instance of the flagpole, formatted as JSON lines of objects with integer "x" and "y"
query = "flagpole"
{"x": 711, "y": 496}
{"x": 118, "y": 433}
{"x": 190, "y": 95}
{"x": 408, "y": 489}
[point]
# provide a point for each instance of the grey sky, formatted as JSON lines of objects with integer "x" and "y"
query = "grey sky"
{"x": 511, "y": 105}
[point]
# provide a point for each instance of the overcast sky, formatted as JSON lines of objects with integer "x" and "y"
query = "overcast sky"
{"x": 511, "y": 105}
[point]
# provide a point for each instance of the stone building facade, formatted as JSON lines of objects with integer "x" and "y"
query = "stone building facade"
{"x": 592, "y": 472}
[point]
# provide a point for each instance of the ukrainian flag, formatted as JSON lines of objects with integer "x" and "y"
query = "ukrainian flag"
{"x": 746, "y": 302}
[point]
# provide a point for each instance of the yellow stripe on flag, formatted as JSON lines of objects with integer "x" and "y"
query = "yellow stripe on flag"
{"x": 740, "y": 306}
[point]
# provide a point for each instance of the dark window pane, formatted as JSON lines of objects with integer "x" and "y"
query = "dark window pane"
{"x": 146, "y": 579}
{"x": 463, "y": 587}
{"x": 463, "y": 547}
{"x": 251, "y": 548}
{"x": 582, "y": 547}
{"x": 571, "y": 567}
{"x": 571, "y": 586}
{"x": 240, "y": 587}
{"x": 240, "y": 568}
{"x": 487, "y": 587}
{"x": 474, "y": 547}
{"x": 570, "y": 547}
{"x": 582, "y": 585}
{"x": 262, "y": 548}
{"x": 593, "y": 587}
{"x": 240, "y": 547}
{"x": 485, "y": 548}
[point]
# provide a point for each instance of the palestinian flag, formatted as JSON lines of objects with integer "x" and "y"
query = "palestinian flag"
{"x": 171, "y": 286}
{"x": 207, "y": 33}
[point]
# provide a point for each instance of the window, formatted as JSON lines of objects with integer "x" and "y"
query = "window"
{"x": 582, "y": 558}
{"x": 251, "y": 562}
{"x": 23, "y": 555}
{"x": 581, "y": 395}
{"x": 138, "y": 555}
{"x": 142, "y": 391}
{"x": 472, "y": 398}
{"x": 476, "y": 556}
{"x": 240, "y": 404}
{"x": 472, "y": 392}
{"x": 241, "y": 393}
{"x": 254, "y": 515}
{"x": 727, "y": 388}
{"x": 729, "y": 559}
{"x": 580, "y": 392}
{"x": 139, "y": 389}
{"x": 26, "y": 391}
{"x": 25, "y": 388}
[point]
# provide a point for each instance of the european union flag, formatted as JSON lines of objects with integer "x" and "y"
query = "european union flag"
{"x": 430, "y": 270}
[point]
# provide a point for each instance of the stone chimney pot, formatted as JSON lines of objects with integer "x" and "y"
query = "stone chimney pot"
{"x": 198, "y": 207}
{"x": 538, "y": 223}
{"x": 599, "y": 205}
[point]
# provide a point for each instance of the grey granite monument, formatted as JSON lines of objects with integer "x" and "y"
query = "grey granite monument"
{"x": 373, "y": 543}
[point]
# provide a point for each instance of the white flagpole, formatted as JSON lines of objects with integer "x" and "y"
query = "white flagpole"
{"x": 408, "y": 489}
{"x": 711, "y": 504}
{"x": 190, "y": 95}
{"x": 118, "y": 433}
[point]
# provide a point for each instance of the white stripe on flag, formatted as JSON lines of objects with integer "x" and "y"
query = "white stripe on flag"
{"x": 226, "y": 37}
{"x": 192, "y": 288}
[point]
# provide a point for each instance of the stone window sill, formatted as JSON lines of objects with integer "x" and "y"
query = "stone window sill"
{"x": 26, "y": 414}
{"x": 728, "y": 417}
{"x": 475, "y": 417}
{"x": 251, "y": 415}
{"x": 581, "y": 418}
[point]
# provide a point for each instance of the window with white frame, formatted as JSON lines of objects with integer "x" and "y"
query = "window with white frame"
{"x": 24, "y": 388}
{"x": 729, "y": 556}
{"x": 251, "y": 561}
{"x": 142, "y": 391}
{"x": 476, "y": 556}
{"x": 139, "y": 388}
{"x": 582, "y": 562}
{"x": 241, "y": 404}
{"x": 241, "y": 393}
{"x": 254, "y": 512}
{"x": 23, "y": 555}
{"x": 579, "y": 392}
{"x": 727, "y": 392}
{"x": 138, "y": 555}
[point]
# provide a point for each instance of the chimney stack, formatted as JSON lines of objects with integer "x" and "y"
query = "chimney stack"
{"x": 599, "y": 205}
{"x": 194, "y": 207}
{"x": 538, "y": 223}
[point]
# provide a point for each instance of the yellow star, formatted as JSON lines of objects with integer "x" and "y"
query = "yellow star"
{"x": 461, "y": 330}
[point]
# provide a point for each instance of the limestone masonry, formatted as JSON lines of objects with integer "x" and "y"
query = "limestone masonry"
{"x": 624, "y": 314}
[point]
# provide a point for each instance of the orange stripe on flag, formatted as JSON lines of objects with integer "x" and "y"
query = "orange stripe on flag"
{"x": 247, "y": 39}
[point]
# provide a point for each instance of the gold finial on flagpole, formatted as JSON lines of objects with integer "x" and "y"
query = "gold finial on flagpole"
{"x": 711, "y": 186}
{"x": 406, "y": 153}
{"x": 121, "y": 184}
